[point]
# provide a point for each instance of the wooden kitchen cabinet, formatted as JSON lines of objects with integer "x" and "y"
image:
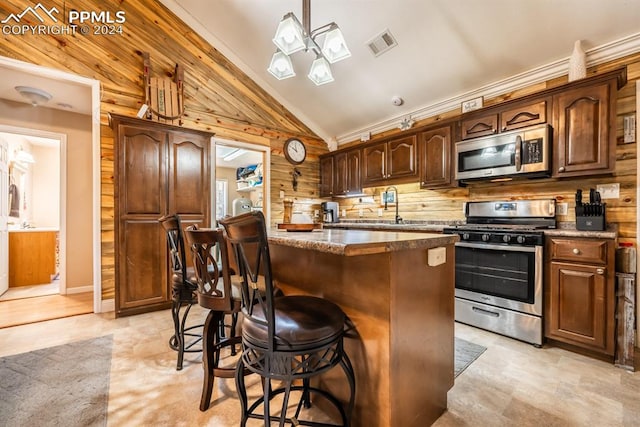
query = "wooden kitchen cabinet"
{"x": 32, "y": 257}
{"x": 580, "y": 293}
{"x": 160, "y": 170}
{"x": 505, "y": 118}
{"x": 584, "y": 137}
{"x": 340, "y": 174}
{"x": 435, "y": 158}
{"x": 390, "y": 162}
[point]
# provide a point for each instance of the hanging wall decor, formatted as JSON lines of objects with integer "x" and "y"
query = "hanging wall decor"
{"x": 163, "y": 97}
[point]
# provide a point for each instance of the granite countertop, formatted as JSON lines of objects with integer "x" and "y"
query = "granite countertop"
{"x": 358, "y": 242}
{"x": 33, "y": 230}
{"x": 564, "y": 229}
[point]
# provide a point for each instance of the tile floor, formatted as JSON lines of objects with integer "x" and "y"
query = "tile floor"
{"x": 511, "y": 384}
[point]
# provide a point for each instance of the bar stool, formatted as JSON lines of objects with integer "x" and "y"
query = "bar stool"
{"x": 216, "y": 293}
{"x": 285, "y": 338}
{"x": 183, "y": 291}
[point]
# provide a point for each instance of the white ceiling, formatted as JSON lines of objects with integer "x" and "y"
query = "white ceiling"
{"x": 446, "y": 49}
{"x": 66, "y": 95}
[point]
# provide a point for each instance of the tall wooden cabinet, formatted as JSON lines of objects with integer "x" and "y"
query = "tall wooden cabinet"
{"x": 160, "y": 170}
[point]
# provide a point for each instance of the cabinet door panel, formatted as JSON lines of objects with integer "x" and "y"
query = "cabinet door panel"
{"x": 340, "y": 176}
{"x": 189, "y": 187}
{"x": 481, "y": 126}
{"x": 403, "y": 154}
{"x": 435, "y": 158}
{"x": 353, "y": 175}
{"x": 578, "y": 311}
{"x": 582, "y": 132}
{"x": 524, "y": 115}
{"x": 374, "y": 163}
{"x": 143, "y": 265}
{"x": 326, "y": 176}
{"x": 142, "y": 188}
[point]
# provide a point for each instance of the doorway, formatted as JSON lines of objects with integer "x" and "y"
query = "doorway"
{"x": 35, "y": 249}
{"x": 241, "y": 178}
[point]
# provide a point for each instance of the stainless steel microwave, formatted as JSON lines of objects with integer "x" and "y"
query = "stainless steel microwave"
{"x": 521, "y": 152}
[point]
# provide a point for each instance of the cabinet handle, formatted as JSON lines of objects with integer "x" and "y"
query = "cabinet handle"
{"x": 600, "y": 270}
{"x": 576, "y": 251}
{"x": 561, "y": 169}
{"x": 495, "y": 130}
{"x": 504, "y": 128}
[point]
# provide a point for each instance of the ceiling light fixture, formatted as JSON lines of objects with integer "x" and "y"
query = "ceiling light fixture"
{"x": 34, "y": 95}
{"x": 292, "y": 36}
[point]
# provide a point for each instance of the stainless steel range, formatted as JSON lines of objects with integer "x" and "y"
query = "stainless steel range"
{"x": 499, "y": 266}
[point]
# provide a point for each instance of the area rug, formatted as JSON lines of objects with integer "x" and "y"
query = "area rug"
{"x": 465, "y": 353}
{"x": 66, "y": 385}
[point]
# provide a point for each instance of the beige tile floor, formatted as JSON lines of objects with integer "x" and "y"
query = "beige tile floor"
{"x": 511, "y": 384}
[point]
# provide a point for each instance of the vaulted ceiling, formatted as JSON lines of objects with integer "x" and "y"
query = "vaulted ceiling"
{"x": 448, "y": 50}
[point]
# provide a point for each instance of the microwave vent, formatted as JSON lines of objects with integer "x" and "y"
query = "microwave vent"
{"x": 382, "y": 43}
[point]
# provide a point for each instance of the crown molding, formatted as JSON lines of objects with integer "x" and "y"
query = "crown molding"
{"x": 598, "y": 55}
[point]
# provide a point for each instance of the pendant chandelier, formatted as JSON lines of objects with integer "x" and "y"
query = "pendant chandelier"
{"x": 292, "y": 36}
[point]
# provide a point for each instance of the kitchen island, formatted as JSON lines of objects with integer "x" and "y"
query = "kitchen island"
{"x": 398, "y": 289}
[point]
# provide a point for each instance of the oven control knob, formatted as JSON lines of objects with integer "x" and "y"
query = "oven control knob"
{"x": 506, "y": 238}
{"x": 485, "y": 237}
{"x": 465, "y": 236}
{"x": 520, "y": 239}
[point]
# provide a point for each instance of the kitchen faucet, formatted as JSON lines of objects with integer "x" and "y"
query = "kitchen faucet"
{"x": 393, "y": 187}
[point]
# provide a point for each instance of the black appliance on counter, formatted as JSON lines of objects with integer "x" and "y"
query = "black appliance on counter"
{"x": 329, "y": 212}
{"x": 499, "y": 266}
{"x": 590, "y": 216}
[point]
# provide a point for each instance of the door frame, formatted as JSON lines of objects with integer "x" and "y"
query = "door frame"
{"x": 93, "y": 85}
{"x": 266, "y": 172}
{"x": 62, "y": 224}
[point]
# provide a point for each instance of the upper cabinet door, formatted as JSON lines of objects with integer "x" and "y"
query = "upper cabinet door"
{"x": 189, "y": 182}
{"x": 142, "y": 171}
{"x": 354, "y": 181}
{"x": 402, "y": 157}
{"x": 480, "y": 126}
{"x": 435, "y": 158}
{"x": 523, "y": 115}
{"x": 374, "y": 164}
{"x": 340, "y": 174}
{"x": 584, "y": 143}
{"x": 326, "y": 176}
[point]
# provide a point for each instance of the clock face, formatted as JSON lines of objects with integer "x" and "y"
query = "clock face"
{"x": 295, "y": 151}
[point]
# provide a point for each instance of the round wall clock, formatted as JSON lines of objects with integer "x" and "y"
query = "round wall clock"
{"x": 295, "y": 151}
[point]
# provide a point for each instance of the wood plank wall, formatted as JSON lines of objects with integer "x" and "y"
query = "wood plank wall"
{"x": 218, "y": 97}
{"x": 447, "y": 204}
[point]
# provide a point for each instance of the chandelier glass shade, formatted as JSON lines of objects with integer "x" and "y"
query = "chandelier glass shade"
{"x": 292, "y": 36}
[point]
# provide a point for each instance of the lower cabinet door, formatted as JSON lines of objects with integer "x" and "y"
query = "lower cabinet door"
{"x": 577, "y": 306}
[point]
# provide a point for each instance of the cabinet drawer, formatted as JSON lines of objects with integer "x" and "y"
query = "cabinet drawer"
{"x": 587, "y": 251}
{"x": 481, "y": 126}
{"x": 524, "y": 115}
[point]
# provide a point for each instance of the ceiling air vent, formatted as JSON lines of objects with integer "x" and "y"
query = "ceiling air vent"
{"x": 382, "y": 43}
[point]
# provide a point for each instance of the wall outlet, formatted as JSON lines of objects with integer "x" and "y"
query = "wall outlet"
{"x": 562, "y": 208}
{"x": 316, "y": 213}
{"x": 282, "y": 194}
{"x": 360, "y": 212}
{"x": 379, "y": 211}
{"x": 344, "y": 213}
{"x": 436, "y": 256}
{"x": 609, "y": 191}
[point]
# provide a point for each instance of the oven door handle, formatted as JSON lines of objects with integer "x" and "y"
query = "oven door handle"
{"x": 496, "y": 247}
{"x": 485, "y": 312}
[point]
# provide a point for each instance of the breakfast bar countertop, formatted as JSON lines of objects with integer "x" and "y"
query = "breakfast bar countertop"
{"x": 359, "y": 242}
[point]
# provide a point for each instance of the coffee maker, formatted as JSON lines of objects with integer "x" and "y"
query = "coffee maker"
{"x": 329, "y": 211}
